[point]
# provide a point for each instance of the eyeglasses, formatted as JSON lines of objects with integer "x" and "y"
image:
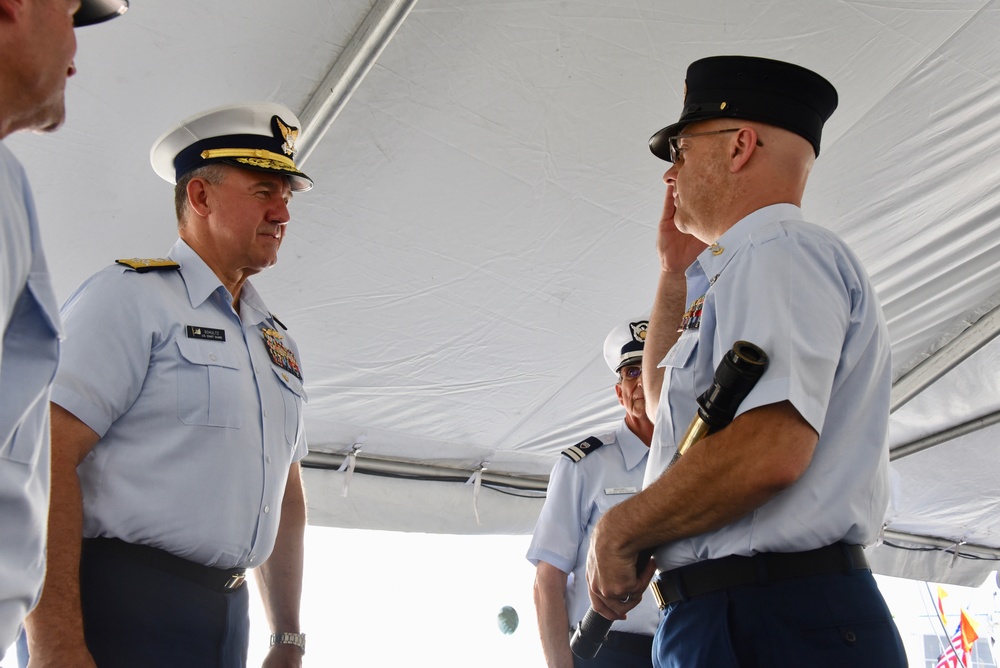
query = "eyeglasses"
{"x": 630, "y": 372}
{"x": 677, "y": 152}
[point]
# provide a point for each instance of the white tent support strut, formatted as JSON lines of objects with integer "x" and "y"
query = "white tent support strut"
{"x": 913, "y": 447}
{"x": 409, "y": 469}
{"x": 349, "y": 71}
{"x": 942, "y": 543}
{"x": 945, "y": 359}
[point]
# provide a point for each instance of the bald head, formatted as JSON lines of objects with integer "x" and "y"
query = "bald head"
{"x": 778, "y": 169}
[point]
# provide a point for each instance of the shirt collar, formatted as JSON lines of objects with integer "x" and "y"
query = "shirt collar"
{"x": 201, "y": 283}
{"x": 633, "y": 449}
{"x": 715, "y": 258}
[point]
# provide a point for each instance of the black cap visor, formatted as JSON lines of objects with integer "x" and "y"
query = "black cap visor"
{"x": 98, "y": 11}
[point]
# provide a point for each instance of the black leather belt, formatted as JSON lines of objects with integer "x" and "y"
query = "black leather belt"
{"x": 630, "y": 643}
{"x": 687, "y": 582}
{"x": 218, "y": 579}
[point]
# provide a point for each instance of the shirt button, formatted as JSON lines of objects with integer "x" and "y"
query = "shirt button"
{"x": 267, "y": 509}
{"x": 269, "y": 459}
{"x": 252, "y": 558}
{"x": 211, "y": 356}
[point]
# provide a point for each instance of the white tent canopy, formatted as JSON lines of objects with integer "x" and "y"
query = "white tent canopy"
{"x": 485, "y": 212}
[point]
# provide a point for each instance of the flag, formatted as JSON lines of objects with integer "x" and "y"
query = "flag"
{"x": 958, "y": 653}
{"x": 949, "y": 657}
{"x": 967, "y": 627}
{"x": 942, "y": 594}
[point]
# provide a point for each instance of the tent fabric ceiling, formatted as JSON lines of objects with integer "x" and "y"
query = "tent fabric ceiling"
{"x": 485, "y": 212}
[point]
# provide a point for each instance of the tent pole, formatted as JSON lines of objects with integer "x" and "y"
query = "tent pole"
{"x": 349, "y": 71}
{"x": 945, "y": 359}
{"x": 943, "y": 543}
{"x": 913, "y": 447}
{"x": 410, "y": 469}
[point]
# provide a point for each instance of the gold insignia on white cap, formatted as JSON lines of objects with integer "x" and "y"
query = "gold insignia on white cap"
{"x": 290, "y": 136}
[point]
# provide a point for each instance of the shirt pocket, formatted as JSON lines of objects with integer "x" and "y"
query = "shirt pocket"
{"x": 293, "y": 395}
{"x": 676, "y": 408}
{"x": 208, "y": 384}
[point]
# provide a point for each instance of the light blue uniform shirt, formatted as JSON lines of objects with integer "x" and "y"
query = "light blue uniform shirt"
{"x": 799, "y": 293}
{"x": 579, "y": 493}
{"x": 197, "y": 433}
{"x": 30, "y": 319}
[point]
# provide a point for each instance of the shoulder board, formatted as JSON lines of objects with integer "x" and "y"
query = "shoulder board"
{"x": 583, "y": 448}
{"x": 142, "y": 265}
{"x": 281, "y": 324}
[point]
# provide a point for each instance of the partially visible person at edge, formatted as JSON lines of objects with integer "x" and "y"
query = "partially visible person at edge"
{"x": 37, "y": 45}
{"x": 758, "y": 530}
{"x": 591, "y": 477}
{"x": 177, "y": 425}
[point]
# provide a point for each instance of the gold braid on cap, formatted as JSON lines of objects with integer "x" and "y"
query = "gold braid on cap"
{"x": 252, "y": 156}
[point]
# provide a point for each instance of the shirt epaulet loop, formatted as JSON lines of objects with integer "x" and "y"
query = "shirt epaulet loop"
{"x": 278, "y": 322}
{"x": 142, "y": 265}
{"x": 583, "y": 448}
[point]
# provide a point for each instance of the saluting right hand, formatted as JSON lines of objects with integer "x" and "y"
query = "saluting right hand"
{"x": 677, "y": 250}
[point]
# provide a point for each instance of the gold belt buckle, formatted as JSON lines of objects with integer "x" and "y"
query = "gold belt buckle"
{"x": 235, "y": 581}
{"x": 658, "y": 595}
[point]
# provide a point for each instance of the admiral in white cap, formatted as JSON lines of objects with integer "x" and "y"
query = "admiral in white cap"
{"x": 588, "y": 479}
{"x": 257, "y": 136}
{"x": 178, "y": 406}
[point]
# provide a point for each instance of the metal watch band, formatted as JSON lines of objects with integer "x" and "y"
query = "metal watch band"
{"x": 297, "y": 639}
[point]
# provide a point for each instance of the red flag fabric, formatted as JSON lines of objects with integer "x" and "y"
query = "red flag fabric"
{"x": 949, "y": 658}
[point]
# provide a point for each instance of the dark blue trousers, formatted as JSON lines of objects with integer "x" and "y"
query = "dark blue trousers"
{"x": 136, "y": 615}
{"x": 825, "y": 621}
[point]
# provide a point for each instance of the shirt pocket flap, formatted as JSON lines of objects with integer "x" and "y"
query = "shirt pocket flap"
{"x": 207, "y": 353}
{"x": 290, "y": 381}
{"x": 679, "y": 354}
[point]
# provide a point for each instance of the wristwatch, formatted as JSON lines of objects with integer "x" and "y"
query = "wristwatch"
{"x": 297, "y": 639}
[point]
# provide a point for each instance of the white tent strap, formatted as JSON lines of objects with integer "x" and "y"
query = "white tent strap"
{"x": 350, "y": 461}
{"x": 477, "y": 484}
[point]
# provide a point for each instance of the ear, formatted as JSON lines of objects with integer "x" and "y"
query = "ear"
{"x": 742, "y": 147}
{"x": 10, "y": 10}
{"x": 618, "y": 391}
{"x": 197, "y": 194}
